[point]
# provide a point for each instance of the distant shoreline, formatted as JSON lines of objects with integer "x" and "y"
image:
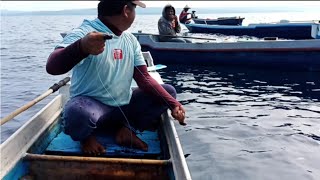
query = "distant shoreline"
{"x": 158, "y": 10}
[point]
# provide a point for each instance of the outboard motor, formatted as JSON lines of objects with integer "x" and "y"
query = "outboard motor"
{"x": 193, "y": 15}
{"x": 284, "y": 21}
{"x": 315, "y": 31}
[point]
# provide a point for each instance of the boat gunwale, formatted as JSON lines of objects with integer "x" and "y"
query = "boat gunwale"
{"x": 309, "y": 45}
{"x": 251, "y": 26}
{"x": 179, "y": 162}
{"x": 236, "y": 50}
{"x": 25, "y": 140}
{"x": 251, "y": 46}
{"x": 219, "y": 19}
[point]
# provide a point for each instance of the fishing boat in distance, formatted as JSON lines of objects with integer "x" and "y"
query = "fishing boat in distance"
{"x": 273, "y": 53}
{"x": 40, "y": 150}
{"x": 235, "y": 21}
{"x": 283, "y": 29}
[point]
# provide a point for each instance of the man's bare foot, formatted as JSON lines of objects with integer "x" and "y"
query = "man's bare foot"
{"x": 92, "y": 146}
{"x": 126, "y": 137}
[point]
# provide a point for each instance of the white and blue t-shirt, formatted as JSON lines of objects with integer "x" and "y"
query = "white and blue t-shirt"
{"x": 105, "y": 77}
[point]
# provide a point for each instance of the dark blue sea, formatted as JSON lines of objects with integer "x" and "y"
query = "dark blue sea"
{"x": 243, "y": 124}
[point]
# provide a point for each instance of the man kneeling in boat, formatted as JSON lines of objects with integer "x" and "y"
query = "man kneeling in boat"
{"x": 183, "y": 18}
{"x": 168, "y": 26}
{"x": 102, "y": 72}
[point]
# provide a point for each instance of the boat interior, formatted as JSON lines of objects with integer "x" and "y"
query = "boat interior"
{"x": 54, "y": 155}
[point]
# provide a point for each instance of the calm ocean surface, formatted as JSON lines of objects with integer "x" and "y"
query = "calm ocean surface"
{"x": 243, "y": 124}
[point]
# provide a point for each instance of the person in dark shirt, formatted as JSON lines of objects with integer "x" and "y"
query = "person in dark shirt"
{"x": 183, "y": 18}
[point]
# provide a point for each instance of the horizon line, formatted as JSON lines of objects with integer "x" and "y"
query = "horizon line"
{"x": 151, "y": 8}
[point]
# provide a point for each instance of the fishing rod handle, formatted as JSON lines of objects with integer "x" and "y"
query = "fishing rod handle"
{"x": 58, "y": 85}
{"x": 107, "y": 36}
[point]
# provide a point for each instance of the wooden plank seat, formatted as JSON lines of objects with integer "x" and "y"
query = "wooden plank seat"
{"x": 52, "y": 167}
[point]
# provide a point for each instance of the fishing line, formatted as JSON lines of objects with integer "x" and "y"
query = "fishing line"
{"x": 154, "y": 88}
{"x": 116, "y": 103}
{"x": 122, "y": 112}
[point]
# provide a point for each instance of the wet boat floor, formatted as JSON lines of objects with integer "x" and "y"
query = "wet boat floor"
{"x": 64, "y": 145}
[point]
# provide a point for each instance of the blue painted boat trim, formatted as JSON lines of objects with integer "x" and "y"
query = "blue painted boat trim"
{"x": 42, "y": 143}
{"x": 290, "y": 31}
{"x": 287, "y": 50}
{"x": 293, "y": 60}
{"x": 156, "y": 67}
{"x": 21, "y": 169}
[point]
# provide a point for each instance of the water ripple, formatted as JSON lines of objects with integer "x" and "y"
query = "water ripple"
{"x": 256, "y": 151}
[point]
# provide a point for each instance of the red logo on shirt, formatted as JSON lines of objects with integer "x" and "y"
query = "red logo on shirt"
{"x": 117, "y": 54}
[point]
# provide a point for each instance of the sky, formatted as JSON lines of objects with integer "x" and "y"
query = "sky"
{"x": 62, "y": 5}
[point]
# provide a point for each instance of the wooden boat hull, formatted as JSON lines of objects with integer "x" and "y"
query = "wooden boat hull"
{"x": 235, "y": 21}
{"x": 54, "y": 167}
{"x": 37, "y": 165}
{"x": 285, "y": 55}
{"x": 280, "y": 30}
{"x": 28, "y": 153}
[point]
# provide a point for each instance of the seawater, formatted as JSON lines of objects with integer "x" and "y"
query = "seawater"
{"x": 242, "y": 123}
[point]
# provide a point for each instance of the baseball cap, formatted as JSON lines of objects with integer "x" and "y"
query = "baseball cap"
{"x": 139, "y": 3}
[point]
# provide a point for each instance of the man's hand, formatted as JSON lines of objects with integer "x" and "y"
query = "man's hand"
{"x": 93, "y": 43}
{"x": 174, "y": 22}
{"x": 176, "y": 18}
{"x": 179, "y": 114}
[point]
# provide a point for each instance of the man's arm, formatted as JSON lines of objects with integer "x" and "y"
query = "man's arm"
{"x": 177, "y": 26}
{"x": 63, "y": 60}
{"x": 149, "y": 85}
